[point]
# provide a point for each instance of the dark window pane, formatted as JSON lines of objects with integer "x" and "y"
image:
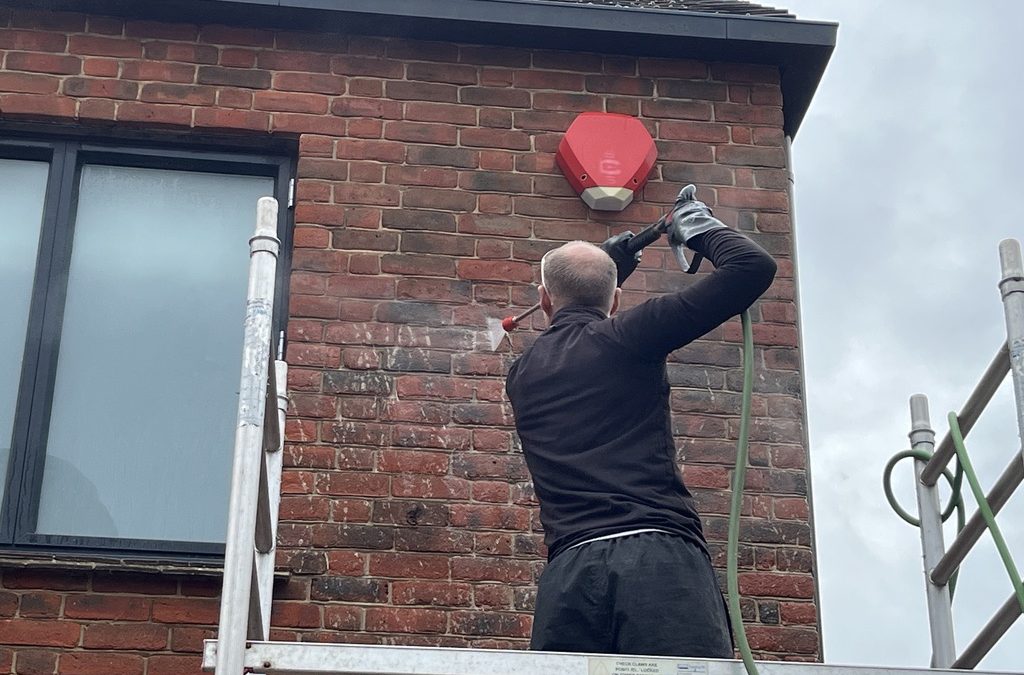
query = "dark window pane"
{"x": 22, "y": 189}
{"x": 143, "y": 415}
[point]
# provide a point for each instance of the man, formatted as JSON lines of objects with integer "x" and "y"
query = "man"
{"x": 628, "y": 568}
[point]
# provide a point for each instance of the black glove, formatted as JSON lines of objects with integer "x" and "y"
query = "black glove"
{"x": 625, "y": 262}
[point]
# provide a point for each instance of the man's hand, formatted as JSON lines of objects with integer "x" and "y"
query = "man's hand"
{"x": 625, "y": 262}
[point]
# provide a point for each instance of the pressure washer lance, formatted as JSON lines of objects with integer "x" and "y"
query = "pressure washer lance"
{"x": 498, "y": 328}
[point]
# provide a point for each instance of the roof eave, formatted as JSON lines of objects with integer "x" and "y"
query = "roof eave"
{"x": 801, "y": 49}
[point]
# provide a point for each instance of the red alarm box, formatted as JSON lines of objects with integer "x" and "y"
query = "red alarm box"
{"x": 606, "y": 157}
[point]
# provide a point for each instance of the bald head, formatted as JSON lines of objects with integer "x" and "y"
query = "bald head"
{"x": 579, "y": 273}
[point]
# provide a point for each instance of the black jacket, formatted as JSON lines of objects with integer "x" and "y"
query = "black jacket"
{"x": 591, "y": 401}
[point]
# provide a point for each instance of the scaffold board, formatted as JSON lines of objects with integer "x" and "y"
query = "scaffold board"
{"x": 304, "y": 658}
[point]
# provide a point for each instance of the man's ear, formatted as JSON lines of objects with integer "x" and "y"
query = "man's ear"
{"x": 615, "y": 301}
{"x": 545, "y": 301}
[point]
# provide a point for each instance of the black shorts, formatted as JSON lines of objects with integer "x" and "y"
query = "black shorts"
{"x": 652, "y": 594}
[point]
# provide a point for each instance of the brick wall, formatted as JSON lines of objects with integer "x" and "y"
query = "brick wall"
{"x": 427, "y": 193}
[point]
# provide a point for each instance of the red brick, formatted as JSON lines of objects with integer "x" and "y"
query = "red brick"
{"x": 548, "y": 79}
{"x": 8, "y": 604}
{"x": 104, "y": 46}
{"x": 39, "y": 633}
{"x": 486, "y": 465}
{"x": 440, "y": 112}
{"x": 32, "y": 41}
{"x": 174, "y": 665}
{"x": 96, "y": 67}
{"x": 798, "y": 612}
{"x": 43, "y": 63}
{"x": 342, "y": 617}
{"x": 783, "y": 639}
{"x": 418, "y": 132}
{"x": 234, "y": 98}
{"x": 371, "y": 67}
{"x": 405, "y": 620}
{"x": 346, "y": 535}
{"x": 189, "y": 639}
{"x": 113, "y": 607}
{"x": 159, "y": 70}
{"x": 309, "y": 82}
{"x": 437, "y": 72}
{"x": 125, "y": 636}
{"x": 491, "y": 623}
{"x": 486, "y": 516}
{"x": 498, "y": 270}
{"x": 491, "y": 491}
{"x": 308, "y": 124}
{"x": 350, "y": 484}
{"x": 790, "y": 508}
{"x": 237, "y": 58}
{"x": 347, "y": 563}
{"x": 777, "y": 585}
{"x": 106, "y": 88}
{"x": 186, "y": 610}
{"x": 494, "y": 138}
{"x": 421, "y": 91}
{"x": 431, "y": 593}
{"x": 45, "y": 579}
{"x": 91, "y": 663}
{"x": 502, "y": 97}
{"x": 178, "y": 51}
{"x": 498, "y": 119}
{"x": 249, "y": 78}
{"x": 290, "y": 102}
{"x": 350, "y": 510}
{"x": 295, "y": 614}
{"x": 747, "y": 114}
{"x": 28, "y": 84}
{"x": 178, "y": 93}
{"x": 405, "y": 461}
{"x": 409, "y": 566}
{"x": 150, "y": 113}
{"x": 39, "y": 605}
{"x": 312, "y": 62}
{"x": 34, "y": 662}
{"x": 430, "y": 487}
{"x": 232, "y": 119}
{"x": 492, "y": 596}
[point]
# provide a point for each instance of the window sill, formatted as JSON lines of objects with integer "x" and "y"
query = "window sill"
{"x": 102, "y": 563}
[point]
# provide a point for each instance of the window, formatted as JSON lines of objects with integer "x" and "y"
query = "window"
{"x": 124, "y": 273}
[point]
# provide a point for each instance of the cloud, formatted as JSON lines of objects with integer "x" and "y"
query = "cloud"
{"x": 907, "y": 170}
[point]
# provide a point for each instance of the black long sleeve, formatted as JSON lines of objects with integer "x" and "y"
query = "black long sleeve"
{"x": 743, "y": 271}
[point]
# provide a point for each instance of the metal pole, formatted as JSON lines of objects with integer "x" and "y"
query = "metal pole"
{"x": 239, "y": 549}
{"x": 969, "y": 414}
{"x": 940, "y": 612}
{"x": 976, "y": 526}
{"x": 990, "y": 634}
{"x": 1011, "y": 286}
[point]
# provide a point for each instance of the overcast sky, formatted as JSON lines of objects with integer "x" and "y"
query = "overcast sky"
{"x": 908, "y": 175}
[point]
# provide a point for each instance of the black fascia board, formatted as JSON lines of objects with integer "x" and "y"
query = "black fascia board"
{"x": 801, "y": 49}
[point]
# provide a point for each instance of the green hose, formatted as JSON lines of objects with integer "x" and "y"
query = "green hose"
{"x": 964, "y": 469}
{"x": 739, "y": 478}
{"x": 986, "y": 510}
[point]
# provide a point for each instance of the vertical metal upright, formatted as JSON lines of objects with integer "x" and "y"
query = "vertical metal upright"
{"x": 940, "y": 610}
{"x": 1011, "y": 287}
{"x": 245, "y": 475}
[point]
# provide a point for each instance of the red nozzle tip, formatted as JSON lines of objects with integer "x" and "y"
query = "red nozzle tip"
{"x": 509, "y": 323}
